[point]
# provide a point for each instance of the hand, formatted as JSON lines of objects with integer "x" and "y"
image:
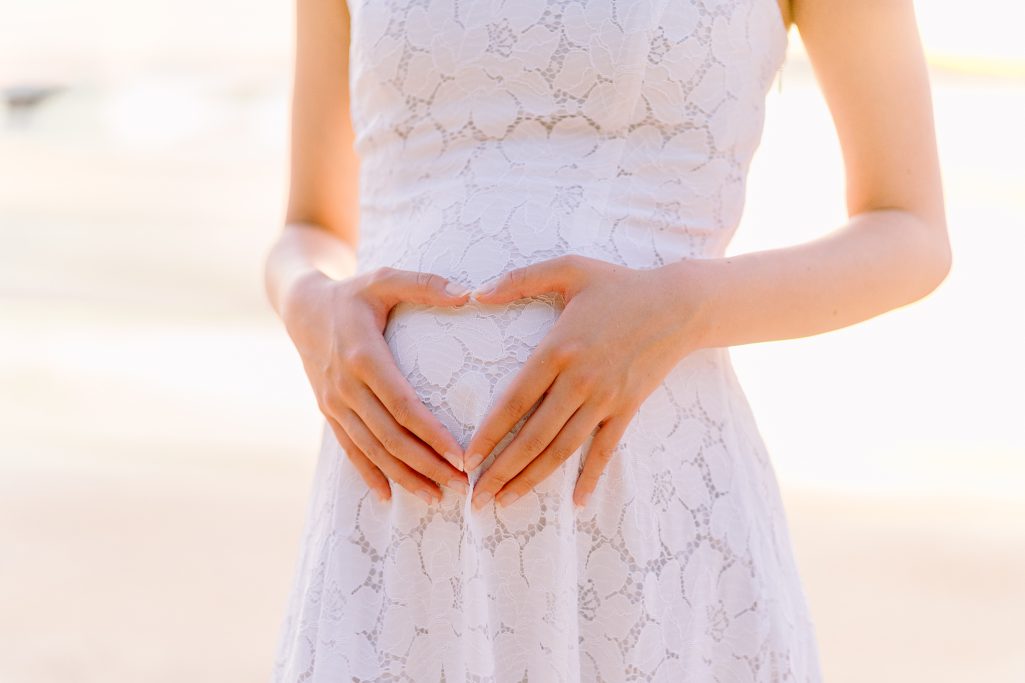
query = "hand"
{"x": 621, "y": 332}
{"x": 338, "y": 326}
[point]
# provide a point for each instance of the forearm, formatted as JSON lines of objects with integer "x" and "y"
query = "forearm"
{"x": 878, "y": 261}
{"x": 303, "y": 250}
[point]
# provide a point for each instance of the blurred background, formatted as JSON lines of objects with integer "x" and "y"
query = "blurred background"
{"x": 157, "y": 437}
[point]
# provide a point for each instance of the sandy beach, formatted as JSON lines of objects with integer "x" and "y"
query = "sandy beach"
{"x": 157, "y": 437}
{"x": 164, "y": 572}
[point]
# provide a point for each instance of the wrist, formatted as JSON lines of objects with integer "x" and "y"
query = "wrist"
{"x": 305, "y": 254}
{"x": 299, "y": 290}
{"x": 694, "y": 288}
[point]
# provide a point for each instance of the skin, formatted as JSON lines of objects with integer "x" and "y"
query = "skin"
{"x": 334, "y": 317}
{"x": 338, "y": 328}
{"x": 622, "y": 329}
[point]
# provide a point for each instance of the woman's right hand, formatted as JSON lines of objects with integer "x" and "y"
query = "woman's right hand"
{"x": 386, "y": 431}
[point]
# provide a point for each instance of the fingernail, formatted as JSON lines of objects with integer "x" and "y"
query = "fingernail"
{"x": 583, "y": 500}
{"x": 381, "y": 496}
{"x": 454, "y": 460}
{"x": 472, "y": 461}
{"x": 425, "y": 496}
{"x": 456, "y": 289}
{"x": 481, "y": 499}
{"x": 458, "y": 484}
{"x": 507, "y": 498}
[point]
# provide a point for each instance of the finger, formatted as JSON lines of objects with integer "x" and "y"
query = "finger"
{"x": 532, "y": 380}
{"x": 565, "y": 444}
{"x": 394, "y": 391}
{"x": 399, "y": 442}
{"x": 396, "y": 470}
{"x": 371, "y": 473}
{"x": 553, "y": 275}
{"x": 392, "y": 286}
{"x": 598, "y": 455}
{"x": 534, "y": 437}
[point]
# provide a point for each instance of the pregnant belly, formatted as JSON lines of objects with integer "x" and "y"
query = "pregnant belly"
{"x": 459, "y": 360}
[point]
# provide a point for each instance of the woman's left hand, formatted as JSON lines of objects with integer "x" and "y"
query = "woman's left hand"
{"x": 622, "y": 330}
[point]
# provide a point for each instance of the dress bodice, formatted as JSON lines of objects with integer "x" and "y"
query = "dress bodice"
{"x": 496, "y": 133}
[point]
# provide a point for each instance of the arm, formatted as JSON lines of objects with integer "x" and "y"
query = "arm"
{"x": 894, "y": 250}
{"x": 321, "y": 222}
{"x": 623, "y": 330}
{"x": 334, "y": 316}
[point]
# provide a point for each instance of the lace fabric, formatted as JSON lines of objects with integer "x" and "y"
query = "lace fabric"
{"x": 493, "y": 134}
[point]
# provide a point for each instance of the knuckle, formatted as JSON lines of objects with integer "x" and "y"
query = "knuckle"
{"x": 357, "y": 358}
{"x": 375, "y": 277}
{"x": 570, "y": 261}
{"x": 525, "y": 482}
{"x": 402, "y": 409}
{"x": 430, "y": 466}
{"x": 391, "y": 471}
{"x": 551, "y": 458}
{"x": 345, "y": 421}
{"x": 380, "y": 276}
{"x": 330, "y": 402}
{"x": 325, "y": 400}
{"x": 590, "y": 475}
{"x": 631, "y": 406}
{"x": 483, "y": 443}
{"x": 517, "y": 277}
{"x": 498, "y": 475}
{"x": 343, "y": 388}
{"x": 565, "y": 352}
{"x": 515, "y": 408}
{"x": 385, "y": 272}
{"x": 497, "y": 480}
{"x": 410, "y": 483}
{"x": 586, "y": 379}
{"x": 363, "y": 437}
{"x": 606, "y": 451}
{"x": 597, "y": 456}
{"x": 438, "y": 473}
{"x": 605, "y": 394}
{"x": 534, "y": 444}
{"x": 559, "y": 452}
{"x": 575, "y": 264}
{"x": 391, "y": 443}
{"x": 427, "y": 281}
{"x": 343, "y": 440}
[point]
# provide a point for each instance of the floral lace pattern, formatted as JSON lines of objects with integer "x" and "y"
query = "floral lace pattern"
{"x": 497, "y": 133}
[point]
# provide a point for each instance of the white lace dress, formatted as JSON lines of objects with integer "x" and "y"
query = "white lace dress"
{"x": 498, "y": 133}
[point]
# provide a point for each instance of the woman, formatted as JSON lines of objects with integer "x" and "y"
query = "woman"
{"x": 537, "y": 463}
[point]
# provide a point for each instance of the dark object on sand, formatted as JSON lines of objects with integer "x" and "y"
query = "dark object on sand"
{"x": 28, "y": 96}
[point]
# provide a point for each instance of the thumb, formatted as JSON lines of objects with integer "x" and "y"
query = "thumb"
{"x": 554, "y": 275}
{"x": 394, "y": 286}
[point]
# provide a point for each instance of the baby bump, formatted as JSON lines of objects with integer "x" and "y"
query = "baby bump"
{"x": 458, "y": 360}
